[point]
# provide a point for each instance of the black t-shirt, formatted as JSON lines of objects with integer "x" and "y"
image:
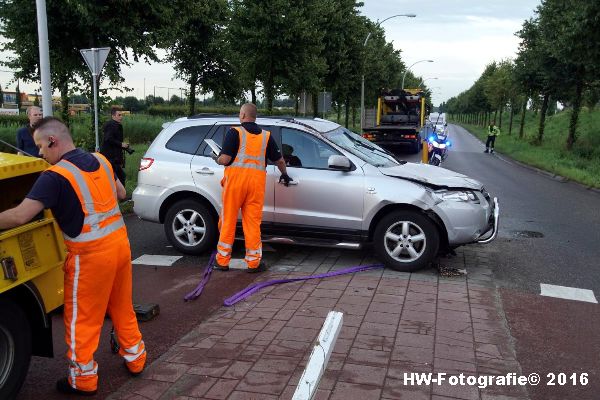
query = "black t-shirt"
{"x": 57, "y": 194}
{"x": 231, "y": 142}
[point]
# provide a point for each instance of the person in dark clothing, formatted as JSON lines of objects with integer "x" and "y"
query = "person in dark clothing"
{"x": 25, "y": 134}
{"x": 112, "y": 144}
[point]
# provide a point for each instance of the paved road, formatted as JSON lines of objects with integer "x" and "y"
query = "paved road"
{"x": 566, "y": 214}
{"x": 550, "y": 334}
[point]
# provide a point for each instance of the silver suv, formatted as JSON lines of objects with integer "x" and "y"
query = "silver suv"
{"x": 346, "y": 192}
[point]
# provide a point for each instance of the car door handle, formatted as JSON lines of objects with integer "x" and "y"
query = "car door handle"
{"x": 205, "y": 171}
{"x": 290, "y": 183}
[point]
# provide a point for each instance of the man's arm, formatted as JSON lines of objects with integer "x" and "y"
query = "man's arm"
{"x": 121, "y": 192}
{"x": 20, "y": 144}
{"x": 20, "y": 214}
{"x": 281, "y": 165}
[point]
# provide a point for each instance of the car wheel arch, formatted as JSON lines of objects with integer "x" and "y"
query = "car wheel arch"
{"x": 185, "y": 195}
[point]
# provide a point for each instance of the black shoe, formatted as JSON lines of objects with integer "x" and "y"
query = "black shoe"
{"x": 218, "y": 267}
{"x": 134, "y": 374}
{"x": 486, "y": 151}
{"x": 63, "y": 386}
{"x": 262, "y": 267}
{"x": 492, "y": 151}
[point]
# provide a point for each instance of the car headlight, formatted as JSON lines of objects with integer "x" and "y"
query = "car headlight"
{"x": 457, "y": 195}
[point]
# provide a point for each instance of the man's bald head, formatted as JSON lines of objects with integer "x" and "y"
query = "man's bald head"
{"x": 248, "y": 113}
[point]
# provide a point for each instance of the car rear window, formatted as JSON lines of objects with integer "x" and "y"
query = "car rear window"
{"x": 187, "y": 140}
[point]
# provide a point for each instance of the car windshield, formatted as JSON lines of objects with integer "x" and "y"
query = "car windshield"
{"x": 362, "y": 148}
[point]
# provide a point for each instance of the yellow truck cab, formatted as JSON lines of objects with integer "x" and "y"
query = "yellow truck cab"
{"x": 31, "y": 280}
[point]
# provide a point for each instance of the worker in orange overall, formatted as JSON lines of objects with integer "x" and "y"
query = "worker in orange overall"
{"x": 244, "y": 154}
{"x": 81, "y": 190}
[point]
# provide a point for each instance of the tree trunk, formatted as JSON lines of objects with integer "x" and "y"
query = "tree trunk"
{"x": 63, "y": 88}
{"x": 495, "y": 115}
{"x": 192, "y": 95}
{"x": 523, "y": 111}
{"x": 510, "y": 121}
{"x": 500, "y": 121}
{"x": 542, "y": 118}
{"x": 575, "y": 115}
{"x": 339, "y": 112}
{"x": 354, "y": 115}
{"x": 346, "y": 111}
{"x": 296, "y": 105}
{"x": 253, "y": 94}
{"x": 269, "y": 89}
{"x": 315, "y": 101}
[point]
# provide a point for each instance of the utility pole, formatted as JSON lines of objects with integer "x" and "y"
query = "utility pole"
{"x": 42, "y": 26}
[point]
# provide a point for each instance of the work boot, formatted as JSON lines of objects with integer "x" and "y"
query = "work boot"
{"x": 134, "y": 374}
{"x": 218, "y": 267}
{"x": 486, "y": 150}
{"x": 492, "y": 151}
{"x": 262, "y": 267}
{"x": 63, "y": 386}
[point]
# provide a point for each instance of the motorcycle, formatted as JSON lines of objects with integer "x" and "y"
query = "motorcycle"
{"x": 438, "y": 145}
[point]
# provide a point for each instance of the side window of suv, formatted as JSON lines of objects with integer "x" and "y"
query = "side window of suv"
{"x": 187, "y": 140}
{"x": 300, "y": 149}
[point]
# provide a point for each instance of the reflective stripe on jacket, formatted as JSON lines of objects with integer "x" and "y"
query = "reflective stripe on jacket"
{"x": 252, "y": 151}
{"x": 97, "y": 193}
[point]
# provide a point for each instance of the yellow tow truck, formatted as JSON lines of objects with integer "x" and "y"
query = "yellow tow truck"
{"x": 31, "y": 280}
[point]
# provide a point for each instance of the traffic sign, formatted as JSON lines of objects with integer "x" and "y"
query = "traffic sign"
{"x": 95, "y": 58}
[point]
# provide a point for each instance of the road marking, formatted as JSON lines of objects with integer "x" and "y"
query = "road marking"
{"x": 161, "y": 261}
{"x": 569, "y": 293}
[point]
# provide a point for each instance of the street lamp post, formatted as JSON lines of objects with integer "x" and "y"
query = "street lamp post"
{"x": 412, "y": 65}
{"x": 423, "y": 81}
{"x": 362, "y": 89}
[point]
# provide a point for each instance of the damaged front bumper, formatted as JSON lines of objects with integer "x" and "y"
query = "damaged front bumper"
{"x": 492, "y": 232}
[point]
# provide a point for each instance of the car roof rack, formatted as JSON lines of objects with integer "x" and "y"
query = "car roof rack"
{"x": 211, "y": 115}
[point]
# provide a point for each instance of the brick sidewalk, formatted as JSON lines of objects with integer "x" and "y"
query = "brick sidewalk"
{"x": 394, "y": 323}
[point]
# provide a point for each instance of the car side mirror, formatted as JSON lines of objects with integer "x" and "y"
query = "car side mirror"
{"x": 340, "y": 163}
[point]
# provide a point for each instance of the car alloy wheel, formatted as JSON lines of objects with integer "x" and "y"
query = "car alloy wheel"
{"x": 190, "y": 227}
{"x": 406, "y": 240}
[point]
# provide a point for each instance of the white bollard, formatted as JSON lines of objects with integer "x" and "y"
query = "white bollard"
{"x": 309, "y": 382}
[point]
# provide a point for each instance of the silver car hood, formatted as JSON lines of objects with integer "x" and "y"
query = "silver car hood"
{"x": 432, "y": 175}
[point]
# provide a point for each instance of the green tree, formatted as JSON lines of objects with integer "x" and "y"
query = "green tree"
{"x": 36, "y": 100}
{"x": 276, "y": 43}
{"x": 573, "y": 37}
{"x": 197, "y": 47}
{"x": 128, "y": 28}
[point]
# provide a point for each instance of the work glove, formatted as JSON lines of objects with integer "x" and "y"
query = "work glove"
{"x": 285, "y": 178}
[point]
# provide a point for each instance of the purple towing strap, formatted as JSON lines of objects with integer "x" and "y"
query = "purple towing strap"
{"x": 255, "y": 287}
{"x": 198, "y": 290}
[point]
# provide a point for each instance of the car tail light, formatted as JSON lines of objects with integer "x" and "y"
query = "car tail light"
{"x": 145, "y": 163}
{"x": 369, "y": 136}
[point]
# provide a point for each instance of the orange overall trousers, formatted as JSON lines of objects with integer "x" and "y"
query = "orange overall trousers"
{"x": 244, "y": 188}
{"x": 98, "y": 277}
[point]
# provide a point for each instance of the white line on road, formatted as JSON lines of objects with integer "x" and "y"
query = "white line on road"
{"x": 569, "y": 293}
{"x": 161, "y": 261}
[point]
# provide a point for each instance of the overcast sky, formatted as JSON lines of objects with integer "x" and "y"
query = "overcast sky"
{"x": 461, "y": 36}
